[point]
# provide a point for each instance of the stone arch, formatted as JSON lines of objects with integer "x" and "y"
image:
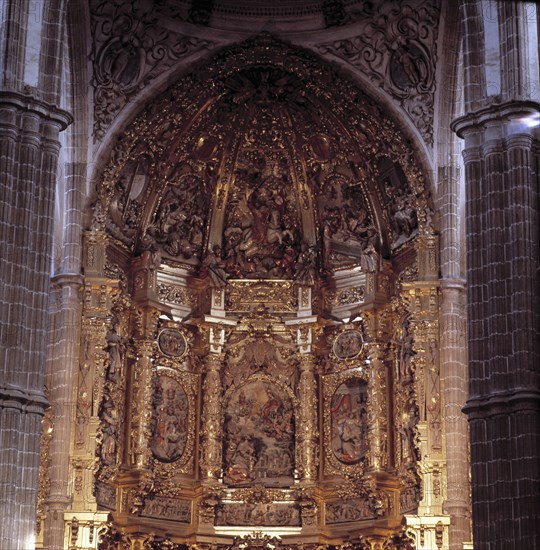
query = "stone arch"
{"x": 268, "y": 145}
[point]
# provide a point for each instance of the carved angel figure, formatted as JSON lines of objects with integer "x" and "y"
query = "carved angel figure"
{"x": 213, "y": 268}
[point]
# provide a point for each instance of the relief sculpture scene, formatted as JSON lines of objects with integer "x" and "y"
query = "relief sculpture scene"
{"x": 259, "y": 436}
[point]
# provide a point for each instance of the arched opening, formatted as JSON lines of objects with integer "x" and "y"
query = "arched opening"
{"x": 260, "y": 288}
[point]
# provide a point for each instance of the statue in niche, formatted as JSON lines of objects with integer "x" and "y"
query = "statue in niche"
{"x": 109, "y": 430}
{"x": 213, "y": 268}
{"x": 169, "y": 419}
{"x": 116, "y": 350}
{"x": 349, "y": 425}
{"x": 403, "y": 215}
{"x": 305, "y": 268}
{"x": 259, "y": 436}
{"x": 150, "y": 253}
{"x": 405, "y": 351}
{"x": 407, "y": 435}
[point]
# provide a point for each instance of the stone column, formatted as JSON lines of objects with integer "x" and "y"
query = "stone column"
{"x": 503, "y": 249}
{"x": 308, "y": 433}
{"x": 29, "y": 151}
{"x": 504, "y": 324}
{"x": 211, "y": 432}
{"x": 63, "y": 358}
{"x": 454, "y": 366}
{"x": 61, "y": 381}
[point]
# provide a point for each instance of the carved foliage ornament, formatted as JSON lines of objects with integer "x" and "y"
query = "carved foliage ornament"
{"x": 395, "y": 50}
{"x": 131, "y": 46}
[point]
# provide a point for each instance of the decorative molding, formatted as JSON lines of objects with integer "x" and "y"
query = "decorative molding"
{"x": 395, "y": 48}
{"x": 131, "y": 47}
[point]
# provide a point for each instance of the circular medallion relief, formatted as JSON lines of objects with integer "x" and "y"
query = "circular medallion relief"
{"x": 348, "y": 344}
{"x": 172, "y": 342}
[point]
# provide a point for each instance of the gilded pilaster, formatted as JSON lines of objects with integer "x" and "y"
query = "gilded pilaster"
{"x": 308, "y": 433}
{"x": 379, "y": 434}
{"x": 141, "y": 405}
{"x": 211, "y": 432}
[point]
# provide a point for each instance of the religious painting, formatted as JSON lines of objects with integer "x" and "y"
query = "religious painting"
{"x": 258, "y": 513}
{"x": 169, "y": 419}
{"x": 348, "y": 344}
{"x": 259, "y": 436}
{"x": 349, "y": 424}
{"x": 172, "y": 342}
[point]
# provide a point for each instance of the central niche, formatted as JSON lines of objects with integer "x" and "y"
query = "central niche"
{"x": 259, "y": 436}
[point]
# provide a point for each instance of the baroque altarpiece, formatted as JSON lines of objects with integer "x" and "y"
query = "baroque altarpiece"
{"x": 259, "y": 357}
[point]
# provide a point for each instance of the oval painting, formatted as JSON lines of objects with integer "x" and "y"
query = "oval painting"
{"x": 172, "y": 342}
{"x": 349, "y": 422}
{"x": 348, "y": 344}
{"x": 169, "y": 419}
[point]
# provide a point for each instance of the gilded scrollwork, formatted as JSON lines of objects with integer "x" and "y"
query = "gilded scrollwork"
{"x": 131, "y": 46}
{"x": 245, "y": 295}
{"x": 397, "y": 56}
{"x": 175, "y": 294}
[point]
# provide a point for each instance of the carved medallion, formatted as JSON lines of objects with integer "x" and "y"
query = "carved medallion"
{"x": 172, "y": 342}
{"x": 348, "y": 344}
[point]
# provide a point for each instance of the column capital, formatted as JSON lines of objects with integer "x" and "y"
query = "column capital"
{"x": 453, "y": 284}
{"x": 62, "y": 280}
{"x": 503, "y": 403}
{"x": 30, "y": 104}
{"x": 496, "y": 112}
{"x": 15, "y": 397}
